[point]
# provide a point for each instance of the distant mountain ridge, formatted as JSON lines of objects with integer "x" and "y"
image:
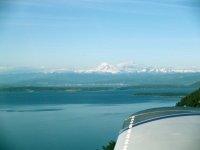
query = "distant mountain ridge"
{"x": 103, "y": 68}
{"x": 134, "y": 68}
{"x": 96, "y": 79}
{"x": 196, "y": 84}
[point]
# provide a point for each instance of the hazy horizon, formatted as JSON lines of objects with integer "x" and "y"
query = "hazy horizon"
{"x": 104, "y": 67}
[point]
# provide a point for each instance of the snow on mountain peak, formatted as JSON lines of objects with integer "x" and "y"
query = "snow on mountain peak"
{"x": 134, "y": 68}
{"x": 102, "y": 68}
{"x": 107, "y": 68}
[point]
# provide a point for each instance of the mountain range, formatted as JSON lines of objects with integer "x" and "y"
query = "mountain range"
{"x": 69, "y": 79}
{"x": 134, "y": 68}
{"x": 124, "y": 74}
{"x": 104, "y": 68}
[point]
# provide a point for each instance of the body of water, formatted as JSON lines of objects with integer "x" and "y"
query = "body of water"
{"x": 70, "y": 120}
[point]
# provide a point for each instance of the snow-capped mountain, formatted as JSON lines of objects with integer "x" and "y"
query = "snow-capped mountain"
{"x": 134, "y": 68}
{"x": 105, "y": 67}
{"x": 102, "y": 68}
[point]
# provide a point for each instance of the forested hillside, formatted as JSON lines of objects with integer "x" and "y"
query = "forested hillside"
{"x": 192, "y": 100}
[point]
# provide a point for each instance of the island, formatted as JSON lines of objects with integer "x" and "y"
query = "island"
{"x": 31, "y": 89}
{"x": 161, "y": 94}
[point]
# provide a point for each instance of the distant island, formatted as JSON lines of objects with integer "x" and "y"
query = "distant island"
{"x": 86, "y": 88}
{"x": 191, "y": 100}
{"x": 31, "y": 89}
{"x": 162, "y": 94}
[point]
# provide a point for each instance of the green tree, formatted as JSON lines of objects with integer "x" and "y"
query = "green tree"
{"x": 110, "y": 146}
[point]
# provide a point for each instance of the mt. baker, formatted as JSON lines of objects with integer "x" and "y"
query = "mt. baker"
{"x": 134, "y": 68}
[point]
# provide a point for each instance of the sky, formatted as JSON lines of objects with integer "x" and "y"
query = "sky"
{"x": 81, "y": 33}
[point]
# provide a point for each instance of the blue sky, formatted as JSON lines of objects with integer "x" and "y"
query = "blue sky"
{"x": 81, "y": 33}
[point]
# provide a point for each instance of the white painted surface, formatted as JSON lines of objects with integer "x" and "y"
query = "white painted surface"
{"x": 178, "y": 133}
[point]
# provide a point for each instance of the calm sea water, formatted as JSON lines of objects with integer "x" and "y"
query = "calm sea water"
{"x": 70, "y": 121}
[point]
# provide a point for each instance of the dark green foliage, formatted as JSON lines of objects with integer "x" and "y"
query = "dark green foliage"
{"x": 192, "y": 100}
{"x": 110, "y": 146}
